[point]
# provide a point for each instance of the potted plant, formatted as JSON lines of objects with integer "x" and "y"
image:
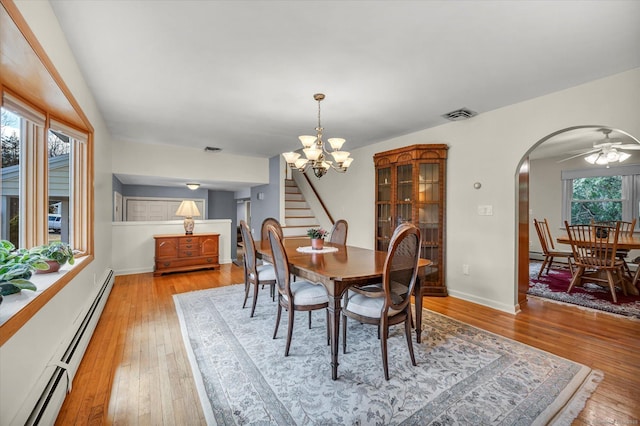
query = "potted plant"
{"x": 16, "y": 268}
{"x": 317, "y": 237}
{"x": 55, "y": 254}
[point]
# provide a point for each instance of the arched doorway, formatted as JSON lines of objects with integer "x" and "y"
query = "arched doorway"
{"x": 567, "y": 148}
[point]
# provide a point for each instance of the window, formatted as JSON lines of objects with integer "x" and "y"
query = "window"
{"x": 601, "y": 194}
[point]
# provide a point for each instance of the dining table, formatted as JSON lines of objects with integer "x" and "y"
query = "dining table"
{"x": 337, "y": 268}
{"x": 625, "y": 242}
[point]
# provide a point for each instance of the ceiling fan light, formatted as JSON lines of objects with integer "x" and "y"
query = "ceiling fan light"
{"x": 623, "y": 156}
{"x": 591, "y": 159}
{"x": 602, "y": 160}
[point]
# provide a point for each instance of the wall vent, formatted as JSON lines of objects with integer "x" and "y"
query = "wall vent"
{"x": 212, "y": 149}
{"x": 460, "y": 114}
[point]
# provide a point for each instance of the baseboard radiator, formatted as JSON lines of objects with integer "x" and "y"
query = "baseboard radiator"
{"x": 48, "y": 406}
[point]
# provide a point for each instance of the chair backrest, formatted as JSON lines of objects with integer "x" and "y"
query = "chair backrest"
{"x": 544, "y": 235}
{"x": 626, "y": 228}
{"x": 593, "y": 245}
{"x": 401, "y": 266}
{"x": 339, "y": 232}
{"x": 280, "y": 261}
{"x": 273, "y": 222}
{"x": 249, "y": 248}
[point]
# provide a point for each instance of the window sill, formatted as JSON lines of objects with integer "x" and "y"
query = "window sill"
{"x": 17, "y": 309}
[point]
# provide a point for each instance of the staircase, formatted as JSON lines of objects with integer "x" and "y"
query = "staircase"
{"x": 298, "y": 216}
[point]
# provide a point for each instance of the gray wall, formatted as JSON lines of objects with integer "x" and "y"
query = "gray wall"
{"x": 269, "y": 206}
{"x": 222, "y": 205}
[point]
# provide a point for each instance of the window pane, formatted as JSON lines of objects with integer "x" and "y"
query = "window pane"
{"x": 59, "y": 186}
{"x": 596, "y": 199}
{"x": 10, "y": 218}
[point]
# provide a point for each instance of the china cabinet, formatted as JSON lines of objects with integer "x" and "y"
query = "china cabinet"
{"x": 411, "y": 187}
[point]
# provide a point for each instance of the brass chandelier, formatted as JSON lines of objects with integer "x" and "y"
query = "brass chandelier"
{"x": 316, "y": 153}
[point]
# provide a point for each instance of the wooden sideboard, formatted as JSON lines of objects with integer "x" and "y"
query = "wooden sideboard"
{"x": 179, "y": 252}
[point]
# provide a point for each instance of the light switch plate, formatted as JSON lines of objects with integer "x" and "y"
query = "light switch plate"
{"x": 485, "y": 210}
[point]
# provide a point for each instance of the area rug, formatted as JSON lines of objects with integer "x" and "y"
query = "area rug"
{"x": 554, "y": 286}
{"x": 464, "y": 375}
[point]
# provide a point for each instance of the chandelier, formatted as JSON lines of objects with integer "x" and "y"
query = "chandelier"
{"x": 316, "y": 153}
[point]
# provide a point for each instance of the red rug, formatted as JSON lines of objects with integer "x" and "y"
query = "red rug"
{"x": 555, "y": 284}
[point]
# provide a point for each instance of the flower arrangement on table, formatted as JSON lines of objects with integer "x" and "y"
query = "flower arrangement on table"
{"x": 317, "y": 233}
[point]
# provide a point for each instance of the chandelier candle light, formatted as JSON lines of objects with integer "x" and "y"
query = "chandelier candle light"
{"x": 315, "y": 150}
{"x": 188, "y": 209}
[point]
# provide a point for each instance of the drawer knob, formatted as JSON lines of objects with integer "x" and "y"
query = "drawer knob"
{"x": 167, "y": 264}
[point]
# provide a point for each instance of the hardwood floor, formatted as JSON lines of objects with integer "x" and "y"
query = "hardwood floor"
{"x": 136, "y": 370}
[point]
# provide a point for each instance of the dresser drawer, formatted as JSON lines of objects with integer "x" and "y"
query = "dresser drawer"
{"x": 188, "y": 252}
{"x": 189, "y": 242}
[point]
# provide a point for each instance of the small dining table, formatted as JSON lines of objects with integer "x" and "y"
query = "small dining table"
{"x": 625, "y": 242}
{"x": 337, "y": 271}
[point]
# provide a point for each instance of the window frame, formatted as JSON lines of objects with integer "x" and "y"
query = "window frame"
{"x": 630, "y": 188}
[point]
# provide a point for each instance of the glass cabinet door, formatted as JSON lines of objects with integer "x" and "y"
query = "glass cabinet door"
{"x": 429, "y": 215}
{"x": 383, "y": 208}
{"x": 404, "y": 194}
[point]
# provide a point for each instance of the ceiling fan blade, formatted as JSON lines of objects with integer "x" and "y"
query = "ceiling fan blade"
{"x": 630, "y": 146}
{"x": 579, "y": 155}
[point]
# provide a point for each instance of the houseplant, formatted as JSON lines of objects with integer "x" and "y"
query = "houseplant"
{"x": 317, "y": 237}
{"x": 16, "y": 268}
{"x": 55, "y": 254}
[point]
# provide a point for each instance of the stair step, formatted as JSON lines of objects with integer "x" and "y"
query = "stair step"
{"x": 296, "y": 204}
{"x": 297, "y": 213}
{"x": 293, "y": 197}
{"x": 299, "y": 220}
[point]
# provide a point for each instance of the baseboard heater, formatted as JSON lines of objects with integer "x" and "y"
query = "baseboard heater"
{"x": 48, "y": 406}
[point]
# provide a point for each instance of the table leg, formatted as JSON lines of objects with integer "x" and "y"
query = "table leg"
{"x": 334, "y": 328}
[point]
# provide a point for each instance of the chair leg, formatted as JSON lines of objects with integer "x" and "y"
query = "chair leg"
{"x": 407, "y": 333}
{"x": 246, "y": 293}
{"x": 289, "y": 330}
{"x": 383, "y": 348}
{"x": 544, "y": 263}
{"x": 255, "y": 299}
{"x": 328, "y": 331}
{"x": 612, "y": 285}
{"x": 275, "y": 332}
{"x": 309, "y": 320}
{"x": 344, "y": 333}
{"x": 577, "y": 277}
{"x": 550, "y": 264}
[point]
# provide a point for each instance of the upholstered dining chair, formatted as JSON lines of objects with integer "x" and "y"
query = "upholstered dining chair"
{"x": 339, "y": 232}
{"x": 392, "y": 306}
{"x": 548, "y": 247}
{"x": 293, "y": 295}
{"x": 254, "y": 274}
{"x": 594, "y": 251}
{"x": 273, "y": 222}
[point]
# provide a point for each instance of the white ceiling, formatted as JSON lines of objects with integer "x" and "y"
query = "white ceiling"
{"x": 240, "y": 75}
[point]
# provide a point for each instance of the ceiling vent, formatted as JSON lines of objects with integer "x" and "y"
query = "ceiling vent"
{"x": 460, "y": 114}
{"x": 212, "y": 149}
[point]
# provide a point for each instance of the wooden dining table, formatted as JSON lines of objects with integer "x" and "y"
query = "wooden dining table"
{"x": 625, "y": 242}
{"x": 337, "y": 271}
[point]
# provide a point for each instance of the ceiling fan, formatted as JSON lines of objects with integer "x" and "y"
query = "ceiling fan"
{"x": 606, "y": 150}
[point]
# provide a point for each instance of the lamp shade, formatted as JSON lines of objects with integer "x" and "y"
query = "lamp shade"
{"x": 188, "y": 208}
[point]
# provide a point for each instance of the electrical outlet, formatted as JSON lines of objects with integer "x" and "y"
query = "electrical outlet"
{"x": 465, "y": 269}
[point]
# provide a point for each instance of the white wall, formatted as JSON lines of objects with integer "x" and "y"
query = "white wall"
{"x": 134, "y": 247}
{"x": 25, "y": 357}
{"x": 488, "y": 149}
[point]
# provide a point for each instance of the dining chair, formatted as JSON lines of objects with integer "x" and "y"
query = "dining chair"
{"x": 626, "y": 230}
{"x": 293, "y": 296}
{"x": 273, "y": 222}
{"x": 392, "y": 306}
{"x": 594, "y": 251}
{"x": 339, "y": 232}
{"x": 548, "y": 247}
{"x": 254, "y": 274}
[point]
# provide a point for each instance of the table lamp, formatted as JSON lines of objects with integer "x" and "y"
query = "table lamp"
{"x": 188, "y": 209}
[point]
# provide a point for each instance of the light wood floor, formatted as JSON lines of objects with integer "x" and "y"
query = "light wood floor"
{"x": 136, "y": 370}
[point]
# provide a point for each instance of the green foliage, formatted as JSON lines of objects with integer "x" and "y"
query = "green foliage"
{"x": 58, "y": 251}
{"x": 316, "y": 233}
{"x": 16, "y": 268}
{"x": 596, "y": 198}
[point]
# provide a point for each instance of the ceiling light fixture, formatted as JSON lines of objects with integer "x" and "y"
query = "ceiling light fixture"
{"x": 606, "y": 156}
{"x": 193, "y": 186}
{"x": 315, "y": 150}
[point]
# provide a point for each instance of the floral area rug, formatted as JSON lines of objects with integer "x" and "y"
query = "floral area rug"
{"x": 464, "y": 376}
{"x": 554, "y": 286}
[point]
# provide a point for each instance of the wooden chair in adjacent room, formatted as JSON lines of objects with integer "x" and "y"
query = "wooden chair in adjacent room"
{"x": 626, "y": 230}
{"x": 392, "y": 306}
{"x": 594, "y": 252}
{"x": 548, "y": 247}
{"x": 293, "y": 295}
{"x": 255, "y": 274}
{"x": 339, "y": 232}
